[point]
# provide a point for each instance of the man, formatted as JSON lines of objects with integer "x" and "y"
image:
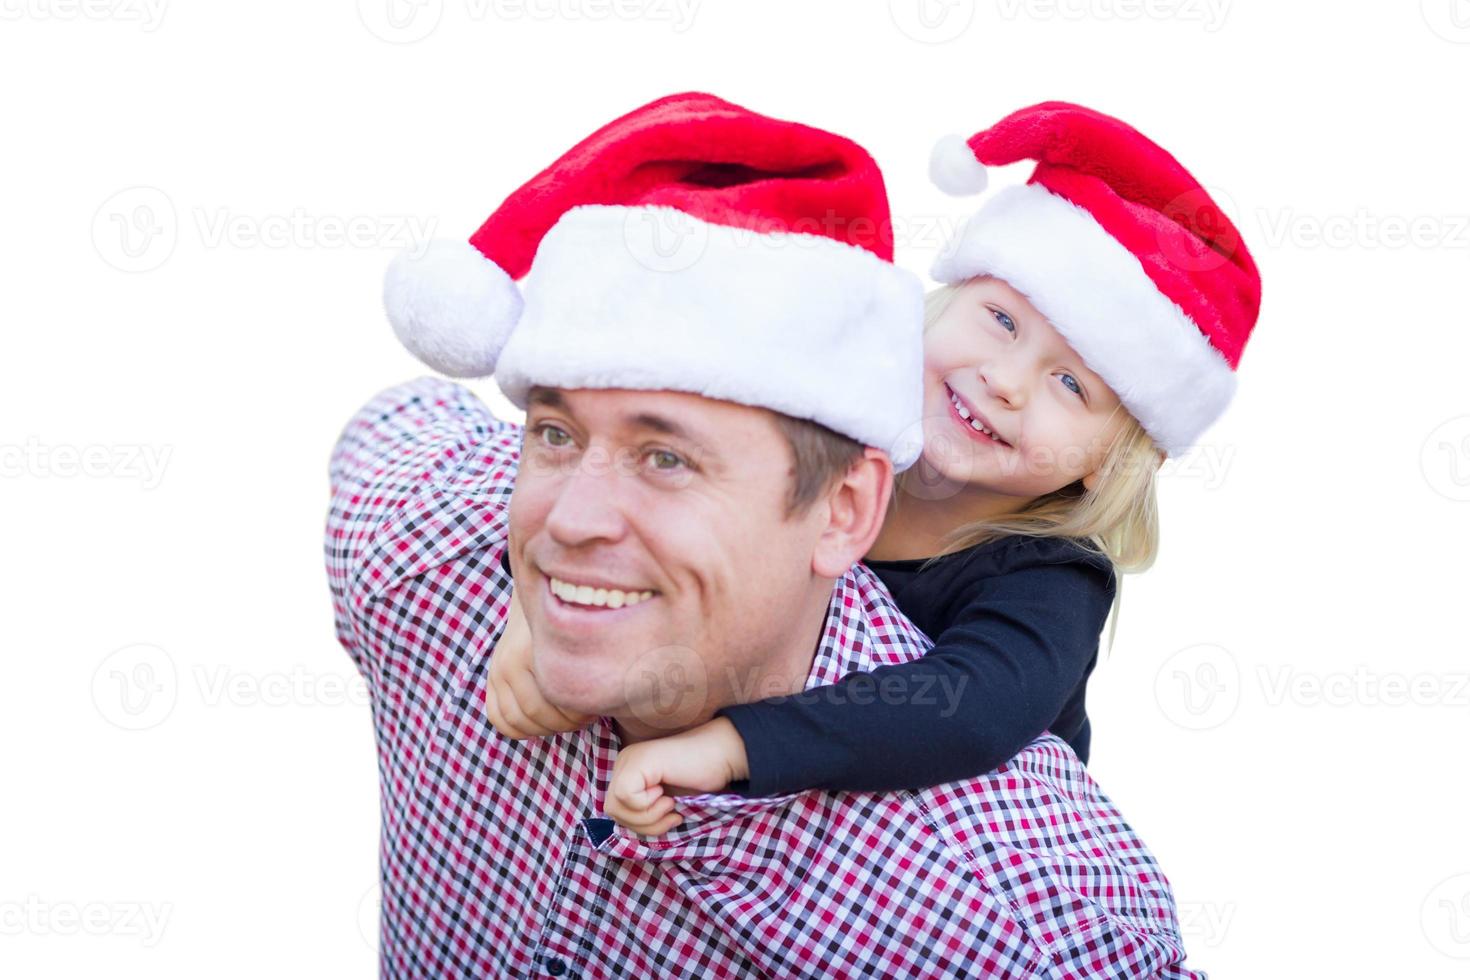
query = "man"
{"x": 708, "y": 450}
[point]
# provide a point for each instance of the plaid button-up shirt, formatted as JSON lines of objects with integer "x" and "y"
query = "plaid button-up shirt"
{"x": 496, "y": 859}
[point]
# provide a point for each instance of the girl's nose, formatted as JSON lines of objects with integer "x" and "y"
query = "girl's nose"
{"x": 1004, "y": 382}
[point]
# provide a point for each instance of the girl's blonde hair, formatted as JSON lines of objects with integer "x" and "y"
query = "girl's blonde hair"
{"x": 1118, "y": 517}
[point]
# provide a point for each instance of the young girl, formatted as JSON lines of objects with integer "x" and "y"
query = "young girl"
{"x": 1090, "y": 327}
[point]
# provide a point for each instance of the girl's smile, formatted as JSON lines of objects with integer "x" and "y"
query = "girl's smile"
{"x": 976, "y": 425}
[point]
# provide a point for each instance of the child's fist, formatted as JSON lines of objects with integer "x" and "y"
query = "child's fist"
{"x": 648, "y": 775}
{"x": 513, "y": 699}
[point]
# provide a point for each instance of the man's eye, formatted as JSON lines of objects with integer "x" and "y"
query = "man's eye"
{"x": 553, "y": 436}
{"x": 665, "y": 460}
{"x": 1005, "y": 320}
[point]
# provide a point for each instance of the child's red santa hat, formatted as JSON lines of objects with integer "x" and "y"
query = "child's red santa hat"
{"x": 690, "y": 245}
{"x": 1120, "y": 249}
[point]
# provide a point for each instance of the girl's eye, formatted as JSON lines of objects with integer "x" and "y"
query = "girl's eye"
{"x": 665, "y": 460}
{"x": 1005, "y": 320}
{"x": 1074, "y": 386}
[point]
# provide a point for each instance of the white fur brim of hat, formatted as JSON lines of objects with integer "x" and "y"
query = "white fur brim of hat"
{"x": 651, "y": 298}
{"x": 1095, "y": 292}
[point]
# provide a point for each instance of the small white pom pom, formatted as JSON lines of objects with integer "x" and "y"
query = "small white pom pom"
{"x": 451, "y": 307}
{"x": 954, "y": 168}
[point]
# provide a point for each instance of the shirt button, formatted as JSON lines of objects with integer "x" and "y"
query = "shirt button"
{"x": 556, "y": 966}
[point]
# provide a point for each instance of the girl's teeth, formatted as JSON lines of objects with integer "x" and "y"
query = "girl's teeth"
{"x": 965, "y": 414}
{"x": 586, "y": 595}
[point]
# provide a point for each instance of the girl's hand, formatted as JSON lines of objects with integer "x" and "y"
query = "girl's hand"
{"x": 513, "y": 699}
{"x": 648, "y": 775}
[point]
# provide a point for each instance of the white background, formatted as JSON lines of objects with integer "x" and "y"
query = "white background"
{"x": 190, "y": 785}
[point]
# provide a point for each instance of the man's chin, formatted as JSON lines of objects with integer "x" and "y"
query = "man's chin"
{"x": 574, "y": 685}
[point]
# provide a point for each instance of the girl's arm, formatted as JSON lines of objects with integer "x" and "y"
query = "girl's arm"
{"x": 513, "y": 700}
{"x": 995, "y": 679}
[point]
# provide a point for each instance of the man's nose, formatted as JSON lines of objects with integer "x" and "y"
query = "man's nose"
{"x": 588, "y": 505}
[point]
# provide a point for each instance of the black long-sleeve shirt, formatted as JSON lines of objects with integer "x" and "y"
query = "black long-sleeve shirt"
{"x": 1015, "y": 623}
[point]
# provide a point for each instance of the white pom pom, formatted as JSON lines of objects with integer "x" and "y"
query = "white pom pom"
{"x": 954, "y": 169}
{"x": 451, "y": 307}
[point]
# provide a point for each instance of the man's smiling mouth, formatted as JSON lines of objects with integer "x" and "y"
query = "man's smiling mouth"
{"x": 596, "y": 596}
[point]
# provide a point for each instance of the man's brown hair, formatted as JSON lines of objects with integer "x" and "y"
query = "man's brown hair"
{"x": 821, "y": 457}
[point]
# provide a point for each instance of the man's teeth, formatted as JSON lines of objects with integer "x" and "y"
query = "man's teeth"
{"x": 586, "y": 595}
{"x": 974, "y": 423}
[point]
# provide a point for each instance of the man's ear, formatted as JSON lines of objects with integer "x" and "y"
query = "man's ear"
{"x": 856, "y": 507}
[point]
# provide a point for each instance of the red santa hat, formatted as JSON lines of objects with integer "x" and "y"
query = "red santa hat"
{"x": 1121, "y": 249}
{"x": 690, "y": 245}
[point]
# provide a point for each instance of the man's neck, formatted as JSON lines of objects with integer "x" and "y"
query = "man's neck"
{"x": 777, "y": 672}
